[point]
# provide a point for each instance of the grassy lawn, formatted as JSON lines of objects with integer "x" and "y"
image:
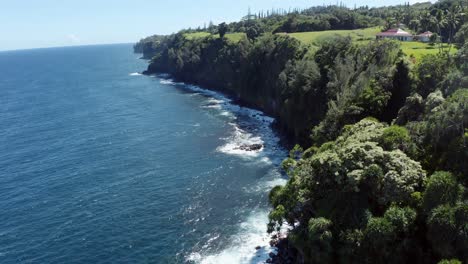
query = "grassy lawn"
{"x": 412, "y": 48}
{"x": 419, "y": 49}
{"x": 318, "y": 36}
{"x": 234, "y": 37}
{"x": 196, "y": 35}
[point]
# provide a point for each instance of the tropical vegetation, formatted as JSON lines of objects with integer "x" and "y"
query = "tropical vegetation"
{"x": 380, "y": 170}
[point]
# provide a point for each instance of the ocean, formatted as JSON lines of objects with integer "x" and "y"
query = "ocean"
{"x": 100, "y": 164}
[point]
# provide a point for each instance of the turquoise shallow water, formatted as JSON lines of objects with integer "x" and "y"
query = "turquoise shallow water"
{"x": 99, "y": 164}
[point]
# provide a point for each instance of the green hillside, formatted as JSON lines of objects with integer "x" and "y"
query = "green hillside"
{"x": 413, "y": 48}
{"x": 318, "y": 36}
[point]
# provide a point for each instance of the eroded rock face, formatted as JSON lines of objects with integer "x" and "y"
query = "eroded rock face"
{"x": 253, "y": 147}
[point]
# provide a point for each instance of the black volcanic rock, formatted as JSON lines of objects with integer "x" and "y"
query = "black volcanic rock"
{"x": 252, "y": 147}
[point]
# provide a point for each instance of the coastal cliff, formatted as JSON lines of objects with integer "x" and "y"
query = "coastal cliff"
{"x": 246, "y": 71}
{"x": 381, "y": 134}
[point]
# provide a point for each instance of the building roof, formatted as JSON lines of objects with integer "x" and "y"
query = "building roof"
{"x": 425, "y": 34}
{"x": 396, "y": 32}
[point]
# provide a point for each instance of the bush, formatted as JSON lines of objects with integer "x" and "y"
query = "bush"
{"x": 320, "y": 239}
{"x": 401, "y": 218}
{"x": 378, "y": 236}
{"x": 395, "y": 137}
{"x": 274, "y": 195}
{"x": 442, "y": 188}
{"x": 448, "y": 230}
{"x": 319, "y": 229}
{"x": 276, "y": 218}
{"x": 452, "y": 261}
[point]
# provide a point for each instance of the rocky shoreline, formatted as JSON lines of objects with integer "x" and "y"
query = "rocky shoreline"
{"x": 251, "y": 147}
{"x": 286, "y": 253}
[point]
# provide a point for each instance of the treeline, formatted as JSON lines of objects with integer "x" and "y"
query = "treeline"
{"x": 382, "y": 173}
{"x": 395, "y": 191}
{"x": 444, "y": 18}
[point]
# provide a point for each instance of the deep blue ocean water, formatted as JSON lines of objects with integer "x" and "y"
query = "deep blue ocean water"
{"x": 99, "y": 164}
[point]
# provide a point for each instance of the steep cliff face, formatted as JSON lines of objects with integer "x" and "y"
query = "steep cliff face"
{"x": 325, "y": 87}
{"x": 248, "y": 71}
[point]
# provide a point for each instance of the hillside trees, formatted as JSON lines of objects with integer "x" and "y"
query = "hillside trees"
{"x": 361, "y": 83}
{"x": 362, "y": 191}
{"x": 349, "y": 186}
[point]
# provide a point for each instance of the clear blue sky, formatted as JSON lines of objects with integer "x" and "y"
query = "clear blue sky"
{"x": 47, "y": 23}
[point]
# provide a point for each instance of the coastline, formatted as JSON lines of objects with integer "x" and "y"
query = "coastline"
{"x": 266, "y": 249}
{"x": 286, "y": 139}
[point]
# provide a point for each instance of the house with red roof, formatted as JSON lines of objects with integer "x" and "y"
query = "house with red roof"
{"x": 396, "y": 34}
{"x": 424, "y": 37}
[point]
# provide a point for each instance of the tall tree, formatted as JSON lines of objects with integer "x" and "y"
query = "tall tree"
{"x": 452, "y": 20}
{"x": 222, "y": 29}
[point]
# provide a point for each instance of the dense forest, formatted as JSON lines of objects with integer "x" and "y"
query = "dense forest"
{"x": 380, "y": 170}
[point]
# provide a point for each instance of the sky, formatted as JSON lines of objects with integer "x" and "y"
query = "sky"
{"x": 28, "y": 24}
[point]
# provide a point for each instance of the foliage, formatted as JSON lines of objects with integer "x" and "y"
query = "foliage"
{"x": 462, "y": 35}
{"x": 401, "y": 219}
{"x": 448, "y": 230}
{"x": 452, "y": 261}
{"x": 442, "y": 188}
{"x": 222, "y": 30}
{"x": 430, "y": 73}
{"x": 320, "y": 237}
{"x": 360, "y": 84}
{"x": 358, "y": 192}
{"x": 440, "y": 133}
{"x": 348, "y": 182}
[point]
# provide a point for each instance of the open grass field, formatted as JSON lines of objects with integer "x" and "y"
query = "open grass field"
{"x": 318, "y": 36}
{"x": 234, "y": 37}
{"x": 196, "y": 35}
{"x": 412, "y": 48}
{"x": 419, "y": 49}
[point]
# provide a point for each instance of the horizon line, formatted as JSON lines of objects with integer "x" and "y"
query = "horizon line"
{"x": 68, "y": 46}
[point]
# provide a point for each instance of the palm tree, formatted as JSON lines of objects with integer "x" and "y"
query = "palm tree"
{"x": 399, "y": 17}
{"x": 414, "y": 25}
{"x": 453, "y": 18}
{"x": 426, "y": 19}
{"x": 439, "y": 21}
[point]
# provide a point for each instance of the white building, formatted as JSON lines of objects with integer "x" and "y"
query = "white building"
{"x": 395, "y": 33}
{"x": 424, "y": 37}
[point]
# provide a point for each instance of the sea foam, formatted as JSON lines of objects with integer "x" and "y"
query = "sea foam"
{"x": 249, "y": 127}
{"x": 238, "y": 139}
{"x": 251, "y": 234}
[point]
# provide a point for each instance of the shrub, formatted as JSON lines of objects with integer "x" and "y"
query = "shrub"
{"x": 442, "y": 188}
{"x": 401, "y": 218}
{"x": 395, "y": 137}
{"x": 448, "y": 230}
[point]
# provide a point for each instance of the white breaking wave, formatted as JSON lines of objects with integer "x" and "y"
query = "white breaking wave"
{"x": 252, "y": 233}
{"x": 167, "y": 81}
{"x": 135, "y": 74}
{"x": 267, "y": 186}
{"x": 228, "y": 114}
{"x": 214, "y": 101}
{"x": 214, "y": 106}
{"x": 239, "y": 139}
